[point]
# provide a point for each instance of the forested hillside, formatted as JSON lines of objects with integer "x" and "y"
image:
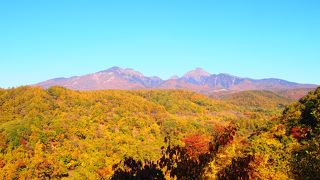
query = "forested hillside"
{"x": 303, "y": 123}
{"x": 257, "y": 99}
{"x": 61, "y": 133}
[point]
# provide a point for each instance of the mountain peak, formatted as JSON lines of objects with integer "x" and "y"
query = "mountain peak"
{"x": 132, "y": 72}
{"x": 125, "y": 71}
{"x": 113, "y": 69}
{"x": 197, "y": 73}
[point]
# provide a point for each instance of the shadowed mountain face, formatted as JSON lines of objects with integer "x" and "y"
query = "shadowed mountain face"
{"x": 196, "y": 80}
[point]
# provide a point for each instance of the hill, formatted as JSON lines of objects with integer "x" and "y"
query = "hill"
{"x": 287, "y": 148}
{"x": 64, "y": 133}
{"x": 302, "y": 120}
{"x": 257, "y": 99}
{"x": 61, "y": 133}
{"x": 296, "y": 94}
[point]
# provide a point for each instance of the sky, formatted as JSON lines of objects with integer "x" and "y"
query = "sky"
{"x": 40, "y": 40}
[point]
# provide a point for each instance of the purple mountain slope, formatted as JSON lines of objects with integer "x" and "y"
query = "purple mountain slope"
{"x": 196, "y": 80}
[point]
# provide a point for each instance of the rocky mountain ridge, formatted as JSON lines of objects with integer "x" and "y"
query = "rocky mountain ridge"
{"x": 196, "y": 80}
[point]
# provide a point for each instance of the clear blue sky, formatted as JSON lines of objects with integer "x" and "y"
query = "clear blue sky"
{"x": 41, "y": 39}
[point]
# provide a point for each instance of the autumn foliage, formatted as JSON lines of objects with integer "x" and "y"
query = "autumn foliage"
{"x": 59, "y": 133}
{"x": 196, "y": 145}
{"x": 176, "y": 161}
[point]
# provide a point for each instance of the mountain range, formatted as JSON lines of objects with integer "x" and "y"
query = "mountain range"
{"x": 196, "y": 80}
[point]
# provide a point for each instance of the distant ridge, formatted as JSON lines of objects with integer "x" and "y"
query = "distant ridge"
{"x": 196, "y": 80}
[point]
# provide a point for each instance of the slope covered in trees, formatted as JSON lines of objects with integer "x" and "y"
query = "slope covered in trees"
{"x": 258, "y": 99}
{"x": 295, "y": 94}
{"x": 61, "y": 133}
{"x": 286, "y": 149}
{"x": 303, "y": 123}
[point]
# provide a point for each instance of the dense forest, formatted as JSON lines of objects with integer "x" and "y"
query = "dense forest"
{"x": 157, "y": 134}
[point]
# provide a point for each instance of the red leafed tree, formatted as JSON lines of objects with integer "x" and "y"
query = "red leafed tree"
{"x": 299, "y": 133}
{"x": 196, "y": 144}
